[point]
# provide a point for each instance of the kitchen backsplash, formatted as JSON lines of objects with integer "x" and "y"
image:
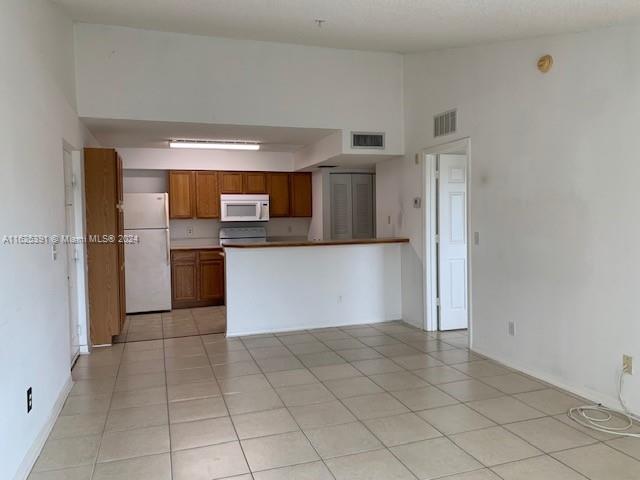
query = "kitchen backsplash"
{"x": 203, "y": 228}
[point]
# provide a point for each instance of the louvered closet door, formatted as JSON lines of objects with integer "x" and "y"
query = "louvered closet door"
{"x": 362, "y": 201}
{"x": 341, "y": 206}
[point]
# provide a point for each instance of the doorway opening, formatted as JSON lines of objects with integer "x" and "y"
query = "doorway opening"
{"x": 71, "y": 255}
{"x": 73, "y": 250}
{"x": 447, "y": 256}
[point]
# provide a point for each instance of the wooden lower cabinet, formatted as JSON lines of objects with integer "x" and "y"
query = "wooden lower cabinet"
{"x": 197, "y": 278}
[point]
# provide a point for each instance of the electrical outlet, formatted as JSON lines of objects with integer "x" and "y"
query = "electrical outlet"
{"x": 189, "y": 231}
{"x": 29, "y": 399}
{"x": 512, "y": 329}
{"x": 289, "y": 229}
{"x": 627, "y": 364}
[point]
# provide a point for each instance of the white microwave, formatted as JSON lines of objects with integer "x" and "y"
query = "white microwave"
{"x": 244, "y": 208}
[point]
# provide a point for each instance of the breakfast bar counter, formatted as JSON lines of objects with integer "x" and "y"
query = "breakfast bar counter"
{"x": 316, "y": 243}
{"x": 299, "y": 285}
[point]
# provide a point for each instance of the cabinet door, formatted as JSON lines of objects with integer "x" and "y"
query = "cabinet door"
{"x": 181, "y": 194}
{"x": 184, "y": 278}
{"x": 211, "y": 278}
{"x": 207, "y": 195}
{"x": 301, "y": 204}
{"x": 103, "y": 260}
{"x": 278, "y": 189}
{"x": 255, "y": 182}
{"x": 231, "y": 182}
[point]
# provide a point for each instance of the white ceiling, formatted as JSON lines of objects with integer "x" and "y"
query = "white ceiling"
{"x": 147, "y": 134}
{"x": 383, "y": 25}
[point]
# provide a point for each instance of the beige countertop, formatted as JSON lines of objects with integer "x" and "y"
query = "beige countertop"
{"x": 316, "y": 243}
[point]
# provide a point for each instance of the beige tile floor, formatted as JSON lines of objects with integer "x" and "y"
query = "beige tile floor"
{"x": 184, "y": 322}
{"x": 382, "y": 401}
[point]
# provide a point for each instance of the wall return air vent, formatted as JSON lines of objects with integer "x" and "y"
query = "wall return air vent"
{"x": 445, "y": 123}
{"x": 367, "y": 140}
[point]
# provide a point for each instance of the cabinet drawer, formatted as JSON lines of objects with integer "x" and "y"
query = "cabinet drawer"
{"x": 187, "y": 256}
{"x": 210, "y": 255}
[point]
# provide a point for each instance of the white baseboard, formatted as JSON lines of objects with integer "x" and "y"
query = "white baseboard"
{"x": 32, "y": 454}
{"x": 586, "y": 393}
{"x": 305, "y": 327}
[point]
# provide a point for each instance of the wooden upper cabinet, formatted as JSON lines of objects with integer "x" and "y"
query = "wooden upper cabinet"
{"x": 278, "y": 190}
{"x": 300, "y": 192}
{"x": 207, "y": 195}
{"x": 181, "y": 194}
{"x": 231, "y": 182}
{"x": 255, "y": 182}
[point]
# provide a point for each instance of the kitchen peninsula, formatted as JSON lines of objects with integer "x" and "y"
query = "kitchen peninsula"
{"x": 298, "y": 285}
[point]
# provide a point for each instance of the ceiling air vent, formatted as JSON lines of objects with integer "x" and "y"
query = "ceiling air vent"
{"x": 367, "y": 140}
{"x": 445, "y": 123}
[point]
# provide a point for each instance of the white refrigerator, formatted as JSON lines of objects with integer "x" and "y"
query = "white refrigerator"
{"x": 147, "y": 261}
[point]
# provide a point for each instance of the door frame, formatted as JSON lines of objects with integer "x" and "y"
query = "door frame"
{"x": 430, "y": 272}
{"x": 77, "y": 169}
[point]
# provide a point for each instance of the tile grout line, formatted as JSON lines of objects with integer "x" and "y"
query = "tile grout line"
{"x": 286, "y": 407}
{"x": 339, "y": 400}
{"x": 401, "y": 341}
{"x": 166, "y": 391}
{"x": 224, "y": 400}
{"x": 104, "y": 427}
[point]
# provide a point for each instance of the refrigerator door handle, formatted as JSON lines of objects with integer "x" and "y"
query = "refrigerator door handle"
{"x": 168, "y": 248}
{"x": 166, "y": 209}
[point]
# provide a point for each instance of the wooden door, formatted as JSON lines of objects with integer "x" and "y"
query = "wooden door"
{"x": 103, "y": 263}
{"x": 255, "y": 182}
{"x": 211, "y": 277}
{"x": 184, "y": 278}
{"x": 301, "y": 203}
{"x": 120, "y": 206}
{"x": 231, "y": 182}
{"x": 278, "y": 190}
{"x": 181, "y": 194}
{"x": 207, "y": 195}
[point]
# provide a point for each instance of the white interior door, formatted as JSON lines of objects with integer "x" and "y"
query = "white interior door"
{"x": 71, "y": 256}
{"x": 452, "y": 251}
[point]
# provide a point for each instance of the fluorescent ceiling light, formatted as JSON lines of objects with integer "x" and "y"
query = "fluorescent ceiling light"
{"x": 214, "y": 145}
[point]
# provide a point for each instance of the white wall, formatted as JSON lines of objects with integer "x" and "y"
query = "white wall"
{"x": 316, "y": 228}
{"x": 554, "y": 194}
{"x": 37, "y": 116}
{"x": 146, "y": 75}
{"x": 186, "y": 159}
{"x": 389, "y": 198}
{"x": 299, "y": 288}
